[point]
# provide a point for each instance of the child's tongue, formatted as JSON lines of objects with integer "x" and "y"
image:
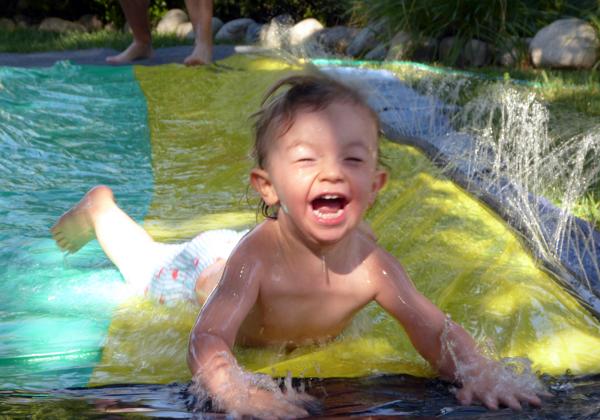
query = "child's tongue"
{"x": 324, "y": 205}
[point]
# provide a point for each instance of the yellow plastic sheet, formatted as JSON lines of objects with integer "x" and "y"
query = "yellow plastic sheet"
{"x": 458, "y": 252}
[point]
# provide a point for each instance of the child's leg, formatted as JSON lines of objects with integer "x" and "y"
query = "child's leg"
{"x": 124, "y": 241}
{"x": 208, "y": 280}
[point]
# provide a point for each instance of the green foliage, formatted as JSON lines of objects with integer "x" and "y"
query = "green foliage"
{"x": 327, "y": 12}
{"x": 110, "y": 11}
{"x": 39, "y": 9}
{"x": 499, "y": 22}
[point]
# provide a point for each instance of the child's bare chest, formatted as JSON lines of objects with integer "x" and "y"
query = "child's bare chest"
{"x": 306, "y": 305}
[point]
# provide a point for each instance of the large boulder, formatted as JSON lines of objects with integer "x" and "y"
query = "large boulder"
{"x": 511, "y": 52}
{"x": 474, "y": 52}
{"x": 366, "y": 39}
{"x": 169, "y": 23}
{"x": 253, "y": 33}
{"x": 234, "y": 31}
{"x": 54, "y": 24}
{"x": 304, "y": 31}
{"x": 7, "y": 24}
{"x": 425, "y": 49}
{"x": 186, "y": 29}
{"x": 378, "y": 53}
{"x": 216, "y": 24}
{"x": 336, "y": 39}
{"x": 276, "y": 33}
{"x": 565, "y": 43}
{"x": 400, "y": 47}
{"x": 91, "y": 23}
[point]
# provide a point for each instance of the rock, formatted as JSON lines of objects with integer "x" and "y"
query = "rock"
{"x": 425, "y": 50}
{"x": 90, "y": 22}
{"x": 23, "y": 22}
{"x": 336, "y": 39}
{"x": 54, "y": 24}
{"x": 284, "y": 20}
{"x": 476, "y": 53}
{"x": 303, "y": 31}
{"x": 367, "y": 38}
{"x": 169, "y": 23}
{"x": 364, "y": 41}
{"x": 448, "y": 50}
{"x": 253, "y": 33}
{"x": 565, "y": 43}
{"x": 401, "y": 46}
{"x": 110, "y": 27}
{"x": 216, "y": 24}
{"x": 507, "y": 58}
{"x": 233, "y": 31}
{"x": 7, "y": 24}
{"x": 511, "y": 52}
{"x": 378, "y": 53}
{"x": 186, "y": 29}
{"x": 277, "y": 33}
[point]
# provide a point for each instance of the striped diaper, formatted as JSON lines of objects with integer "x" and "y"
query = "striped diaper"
{"x": 176, "y": 279}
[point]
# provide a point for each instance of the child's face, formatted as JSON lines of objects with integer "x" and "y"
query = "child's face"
{"x": 323, "y": 172}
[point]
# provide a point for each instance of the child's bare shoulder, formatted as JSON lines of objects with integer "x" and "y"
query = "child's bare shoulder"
{"x": 385, "y": 266}
{"x": 254, "y": 247}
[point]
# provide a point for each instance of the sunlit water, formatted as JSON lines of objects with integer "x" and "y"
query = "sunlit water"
{"x": 63, "y": 130}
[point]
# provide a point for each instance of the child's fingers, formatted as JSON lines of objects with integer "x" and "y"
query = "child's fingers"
{"x": 465, "y": 396}
{"x": 511, "y": 401}
{"x": 489, "y": 401}
{"x": 531, "y": 399}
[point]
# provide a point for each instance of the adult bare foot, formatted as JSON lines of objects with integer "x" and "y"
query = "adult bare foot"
{"x": 136, "y": 51}
{"x": 75, "y": 228}
{"x": 200, "y": 55}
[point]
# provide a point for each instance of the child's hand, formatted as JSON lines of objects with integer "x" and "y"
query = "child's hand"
{"x": 494, "y": 384}
{"x": 263, "y": 403}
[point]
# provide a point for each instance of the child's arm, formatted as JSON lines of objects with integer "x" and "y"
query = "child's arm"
{"x": 448, "y": 347}
{"x": 210, "y": 358}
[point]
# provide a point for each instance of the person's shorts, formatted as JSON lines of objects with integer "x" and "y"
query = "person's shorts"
{"x": 174, "y": 278}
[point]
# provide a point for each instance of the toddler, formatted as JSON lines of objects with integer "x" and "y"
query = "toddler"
{"x": 300, "y": 276}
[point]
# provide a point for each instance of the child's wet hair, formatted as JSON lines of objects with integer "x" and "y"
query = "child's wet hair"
{"x": 278, "y": 111}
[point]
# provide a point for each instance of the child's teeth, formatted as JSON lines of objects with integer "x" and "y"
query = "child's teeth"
{"x": 328, "y": 215}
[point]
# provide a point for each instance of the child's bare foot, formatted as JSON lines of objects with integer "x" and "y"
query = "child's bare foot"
{"x": 136, "y": 51}
{"x": 200, "y": 55}
{"x": 75, "y": 228}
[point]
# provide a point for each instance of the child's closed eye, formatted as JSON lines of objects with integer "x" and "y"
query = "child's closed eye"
{"x": 305, "y": 159}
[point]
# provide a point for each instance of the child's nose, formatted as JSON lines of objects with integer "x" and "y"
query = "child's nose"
{"x": 331, "y": 172}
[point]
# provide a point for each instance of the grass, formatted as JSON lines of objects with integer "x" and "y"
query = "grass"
{"x": 32, "y": 40}
{"x": 572, "y": 97}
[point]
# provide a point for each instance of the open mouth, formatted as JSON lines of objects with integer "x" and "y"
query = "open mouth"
{"x": 329, "y": 207}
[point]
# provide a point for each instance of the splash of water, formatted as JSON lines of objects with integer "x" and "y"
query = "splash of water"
{"x": 495, "y": 140}
{"x": 236, "y": 393}
{"x": 508, "y": 374}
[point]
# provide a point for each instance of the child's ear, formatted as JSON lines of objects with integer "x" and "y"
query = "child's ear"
{"x": 261, "y": 182}
{"x": 379, "y": 181}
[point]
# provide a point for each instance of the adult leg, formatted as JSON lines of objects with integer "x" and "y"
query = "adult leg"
{"x": 136, "y": 13}
{"x": 123, "y": 240}
{"x": 200, "y": 12}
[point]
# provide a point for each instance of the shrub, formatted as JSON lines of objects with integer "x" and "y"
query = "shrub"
{"x": 498, "y": 22}
{"x": 326, "y": 11}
